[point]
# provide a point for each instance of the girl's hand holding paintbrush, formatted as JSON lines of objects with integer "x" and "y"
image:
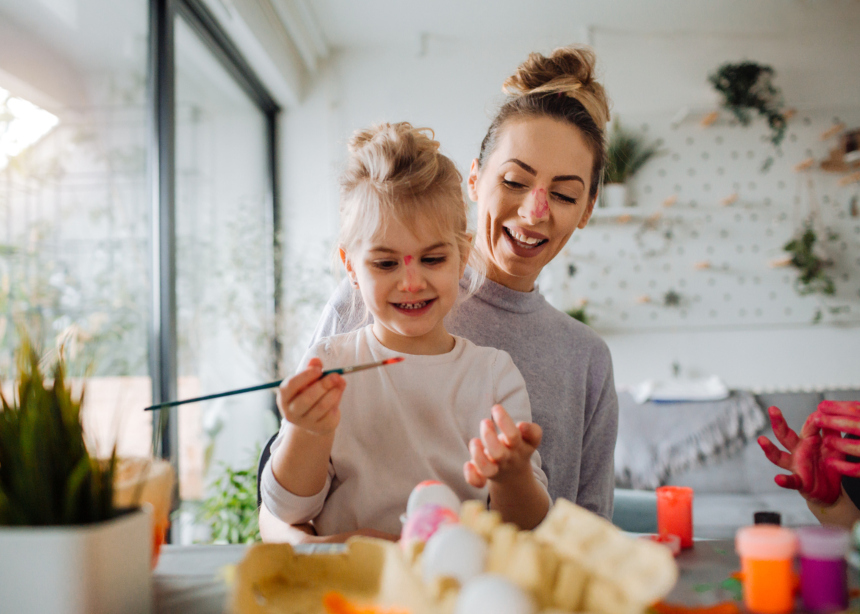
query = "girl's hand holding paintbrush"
{"x": 311, "y": 405}
{"x": 310, "y": 401}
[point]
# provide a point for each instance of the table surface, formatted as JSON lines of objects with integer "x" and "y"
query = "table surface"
{"x": 189, "y": 579}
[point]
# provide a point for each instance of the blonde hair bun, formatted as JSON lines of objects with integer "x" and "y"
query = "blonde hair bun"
{"x": 568, "y": 71}
{"x": 395, "y": 155}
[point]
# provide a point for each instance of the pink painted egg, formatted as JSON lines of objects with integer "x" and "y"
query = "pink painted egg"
{"x": 425, "y": 521}
{"x": 432, "y": 492}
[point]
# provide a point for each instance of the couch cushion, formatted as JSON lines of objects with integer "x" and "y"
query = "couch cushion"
{"x": 720, "y": 516}
{"x": 725, "y": 475}
{"x": 659, "y": 440}
{"x": 842, "y": 395}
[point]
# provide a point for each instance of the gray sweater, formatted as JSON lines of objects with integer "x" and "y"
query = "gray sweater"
{"x": 568, "y": 373}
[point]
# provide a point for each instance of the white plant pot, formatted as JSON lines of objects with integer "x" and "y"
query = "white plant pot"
{"x": 614, "y": 195}
{"x": 102, "y": 568}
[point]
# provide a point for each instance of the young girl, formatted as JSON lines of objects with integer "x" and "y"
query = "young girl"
{"x": 350, "y": 450}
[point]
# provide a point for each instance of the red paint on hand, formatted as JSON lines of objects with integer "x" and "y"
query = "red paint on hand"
{"x": 541, "y": 208}
{"x": 808, "y": 459}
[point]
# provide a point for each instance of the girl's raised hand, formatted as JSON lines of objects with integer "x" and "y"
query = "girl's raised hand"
{"x": 834, "y": 418}
{"x": 311, "y": 403}
{"x": 502, "y": 455}
{"x": 808, "y": 458}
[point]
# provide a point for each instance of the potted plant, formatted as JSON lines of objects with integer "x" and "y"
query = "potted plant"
{"x": 746, "y": 87}
{"x": 65, "y": 546}
{"x": 231, "y": 511}
{"x": 626, "y": 153}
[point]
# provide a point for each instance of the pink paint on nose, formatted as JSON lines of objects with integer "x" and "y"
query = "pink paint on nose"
{"x": 407, "y": 259}
{"x": 541, "y": 207}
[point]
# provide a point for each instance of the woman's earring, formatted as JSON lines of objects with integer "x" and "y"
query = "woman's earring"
{"x": 354, "y": 282}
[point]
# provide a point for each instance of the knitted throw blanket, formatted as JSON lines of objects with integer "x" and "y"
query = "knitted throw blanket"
{"x": 657, "y": 440}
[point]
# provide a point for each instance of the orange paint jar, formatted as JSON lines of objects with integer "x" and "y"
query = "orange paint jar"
{"x": 767, "y": 558}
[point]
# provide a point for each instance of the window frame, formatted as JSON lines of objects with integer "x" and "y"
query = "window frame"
{"x": 161, "y": 142}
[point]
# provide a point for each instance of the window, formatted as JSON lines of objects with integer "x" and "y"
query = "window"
{"x": 138, "y": 209}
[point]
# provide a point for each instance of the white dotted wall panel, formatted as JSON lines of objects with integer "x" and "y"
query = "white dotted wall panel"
{"x": 707, "y": 260}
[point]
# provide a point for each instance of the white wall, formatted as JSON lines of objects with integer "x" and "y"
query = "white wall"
{"x": 453, "y": 86}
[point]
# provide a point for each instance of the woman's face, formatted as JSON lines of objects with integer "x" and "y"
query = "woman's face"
{"x": 532, "y": 193}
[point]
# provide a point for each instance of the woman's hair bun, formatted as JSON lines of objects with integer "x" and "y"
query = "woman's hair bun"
{"x": 569, "y": 71}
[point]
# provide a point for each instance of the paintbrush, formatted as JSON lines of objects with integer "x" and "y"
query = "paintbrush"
{"x": 341, "y": 371}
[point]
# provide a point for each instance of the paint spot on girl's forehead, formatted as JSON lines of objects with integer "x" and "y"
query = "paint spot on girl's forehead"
{"x": 541, "y": 207}
{"x": 407, "y": 259}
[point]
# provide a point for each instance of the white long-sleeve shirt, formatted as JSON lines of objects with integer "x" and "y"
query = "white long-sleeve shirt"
{"x": 567, "y": 368}
{"x": 400, "y": 425}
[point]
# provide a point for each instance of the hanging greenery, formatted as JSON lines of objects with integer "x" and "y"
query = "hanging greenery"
{"x": 812, "y": 277}
{"x": 747, "y": 87}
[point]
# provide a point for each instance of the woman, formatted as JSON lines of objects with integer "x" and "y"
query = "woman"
{"x": 535, "y": 182}
{"x": 822, "y": 464}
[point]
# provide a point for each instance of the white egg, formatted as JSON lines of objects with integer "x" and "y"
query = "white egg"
{"x": 433, "y": 492}
{"x": 456, "y": 552}
{"x": 493, "y": 594}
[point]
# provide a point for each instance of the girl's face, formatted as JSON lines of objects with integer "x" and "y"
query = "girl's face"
{"x": 532, "y": 193}
{"x": 409, "y": 283}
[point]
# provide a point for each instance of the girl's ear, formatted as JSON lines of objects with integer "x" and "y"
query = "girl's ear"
{"x": 473, "y": 181}
{"x": 347, "y": 264}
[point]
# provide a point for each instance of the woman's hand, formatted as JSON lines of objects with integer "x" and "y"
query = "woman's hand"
{"x": 503, "y": 455}
{"x": 833, "y": 418}
{"x": 809, "y": 458}
{"x": 311, "y": 403}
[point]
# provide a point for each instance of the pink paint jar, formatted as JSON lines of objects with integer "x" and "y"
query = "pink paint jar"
{"x": 823, "y": 569}
{"x": 767, "y": 563}
{"x": 675, "y": 513}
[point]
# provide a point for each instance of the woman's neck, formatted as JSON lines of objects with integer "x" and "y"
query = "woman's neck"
{"x": 520, "y": 284}
{"x": 437, "y": 341}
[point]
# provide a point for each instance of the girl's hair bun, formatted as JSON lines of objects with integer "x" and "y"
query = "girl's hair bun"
{"x": 396, "y": 155}
{"x": 568, "y": 71}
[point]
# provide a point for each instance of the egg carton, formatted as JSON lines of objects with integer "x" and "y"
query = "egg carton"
{"x": 575, "y": 561}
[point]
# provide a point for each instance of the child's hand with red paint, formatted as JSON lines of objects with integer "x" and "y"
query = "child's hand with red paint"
{"x": 834, "y": 418}
{"x": 809, "y": 458}
{"x": 503, "y": 458}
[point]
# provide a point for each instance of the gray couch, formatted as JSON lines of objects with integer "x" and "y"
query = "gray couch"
{"x": 729, "y": 491}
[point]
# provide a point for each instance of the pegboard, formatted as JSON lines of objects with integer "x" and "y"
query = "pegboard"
{"x": 708, "y": 220}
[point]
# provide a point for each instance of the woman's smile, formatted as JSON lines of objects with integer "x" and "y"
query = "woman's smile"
{"x": 525, "y": 243}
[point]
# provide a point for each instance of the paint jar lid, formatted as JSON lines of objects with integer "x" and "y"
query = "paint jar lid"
{"x": 767, "y": 518}
{"x": 765, "y": 542}
{"x": 823, "y": 542}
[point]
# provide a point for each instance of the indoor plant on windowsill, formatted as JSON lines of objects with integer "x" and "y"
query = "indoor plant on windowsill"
{"x": 65, "y": 546}
{"x": 626, "y": 153}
